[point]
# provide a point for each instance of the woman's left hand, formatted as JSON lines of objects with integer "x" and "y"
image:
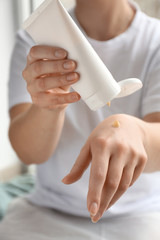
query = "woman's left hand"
{"x": 117, "y": 156}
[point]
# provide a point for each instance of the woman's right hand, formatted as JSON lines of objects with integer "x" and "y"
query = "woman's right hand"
{"x": 49, "y": 74}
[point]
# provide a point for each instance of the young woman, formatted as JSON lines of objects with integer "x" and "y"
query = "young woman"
{"x": 53, "y": 128}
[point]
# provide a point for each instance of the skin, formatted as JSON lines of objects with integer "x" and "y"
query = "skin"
{"x": 117, "y": 155}
{"x": 112, "y": 18}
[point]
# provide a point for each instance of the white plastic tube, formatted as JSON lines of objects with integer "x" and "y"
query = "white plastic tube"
{"x": 51, "y": 24}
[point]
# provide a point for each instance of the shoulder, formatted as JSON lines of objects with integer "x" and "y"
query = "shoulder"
{"x": 150, "y": 28}
{"x": 146, "y": 38}
{"x": 150, "y": 21}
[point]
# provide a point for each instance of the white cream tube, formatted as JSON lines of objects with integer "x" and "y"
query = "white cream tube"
{"x": 51, "y": 24}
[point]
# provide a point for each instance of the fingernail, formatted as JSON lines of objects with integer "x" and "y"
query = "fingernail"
{"x": 60, "y": 54}
{"x": 64, "y": 180}
{"x": 72, "y": 77}
{"x": 75, "y": 97}
{"x": 98, "y": 216}
{"x": 93, "y": 221}
{"x": 93, "y": 209}
{"x": 68, "y": 65}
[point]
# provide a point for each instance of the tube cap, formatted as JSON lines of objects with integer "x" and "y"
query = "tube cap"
{"x": 129, "y": 86}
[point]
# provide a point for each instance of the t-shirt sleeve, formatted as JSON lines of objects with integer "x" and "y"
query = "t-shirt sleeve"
{"x": 17, "y": 91}
{"x": 151, "y": 89}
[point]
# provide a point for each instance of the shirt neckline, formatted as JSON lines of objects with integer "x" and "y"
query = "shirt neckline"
{"x": 118, "y": 40}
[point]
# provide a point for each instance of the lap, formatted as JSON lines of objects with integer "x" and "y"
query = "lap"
{"x": 26, "y": 221}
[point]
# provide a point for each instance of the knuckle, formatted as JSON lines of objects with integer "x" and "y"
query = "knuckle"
{"x": 50, "y": 107}
{"x": 56, "y": 66}
{"x": 61, "y": 80}
{"x": 59, "y": 66}
{"x": 24, "y": 73}
{"x": 100, "y": 142}
{"x": 54, "y": 101}
{"x": 99, "y": 174}
{"x": 122, "y": 147}
{"x": 42, "y": 84}
{"x": 58, "y": 100}
{"x": 37, "y": 67}
{"x": 133, "y": 153}
{"x": 33, "y": 51}
{"x": 113, "y": 183}
{"x": 143, "y": 158}
{"x": 124, "y": 186}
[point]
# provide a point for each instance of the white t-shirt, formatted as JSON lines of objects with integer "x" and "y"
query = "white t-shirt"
{"x": 135, "y": 53}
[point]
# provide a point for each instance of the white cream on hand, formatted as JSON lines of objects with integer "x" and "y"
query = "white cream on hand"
{"x": 51, "y": 24}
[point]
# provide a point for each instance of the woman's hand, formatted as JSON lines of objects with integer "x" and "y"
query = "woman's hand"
{"x": 117, "y": 156}
{"x": 49, "y": 74}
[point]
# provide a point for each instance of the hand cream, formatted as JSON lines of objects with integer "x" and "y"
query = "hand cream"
{"x": 51, "y": 25}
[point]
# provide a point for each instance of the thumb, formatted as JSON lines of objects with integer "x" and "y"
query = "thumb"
{"x": 79, "y": 167}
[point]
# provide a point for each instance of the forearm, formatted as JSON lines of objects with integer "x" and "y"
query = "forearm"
{"x": 35, "y": 133}
{"x": 152, "y": 146}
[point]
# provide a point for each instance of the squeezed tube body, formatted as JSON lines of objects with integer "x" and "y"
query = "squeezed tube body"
{"x": 51, "y": 25}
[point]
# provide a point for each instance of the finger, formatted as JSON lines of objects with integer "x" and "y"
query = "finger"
{"x": 130, "y": 175}
{"x": 45, "y": 52}
{"x": 41, "y": 68}
{"x": 125, "y": 182}
{"x": 53, "y": 100}
{"x": 137, "y": 173}
{"x": 79, "y": 167}
{"x": 111, "y": 184}
{"x": 46, "y": 83}
{"x": 99, "y": 166}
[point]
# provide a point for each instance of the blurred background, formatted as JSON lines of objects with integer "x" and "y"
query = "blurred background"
{"x": 12, "y": 14}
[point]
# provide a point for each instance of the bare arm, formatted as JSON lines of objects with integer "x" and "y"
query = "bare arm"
{"x": 152, "y": 141}
{"x": 35, "y": 132}
{"x": 35, "y": 128}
